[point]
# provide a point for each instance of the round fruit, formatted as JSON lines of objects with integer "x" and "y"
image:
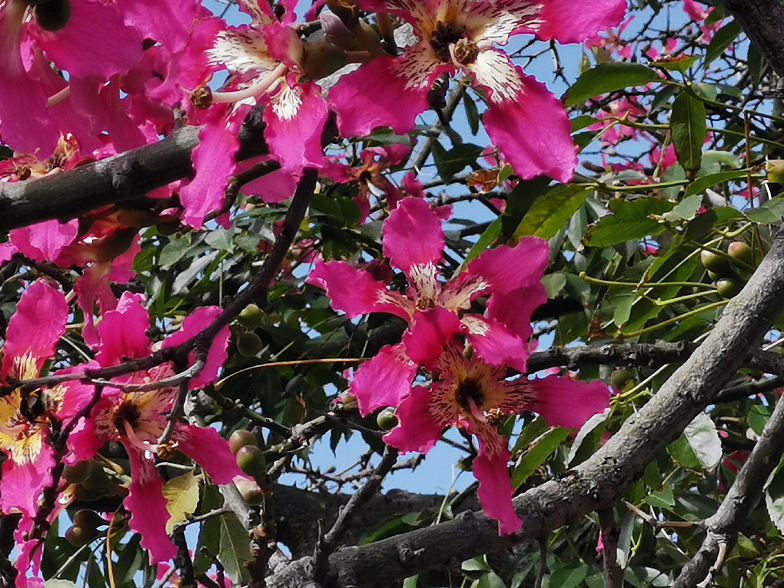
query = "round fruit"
{"x": 386, "y": 419}
{"x": 250, "y": 317}
{"x": 79, "y": 472}
{"x": 53, "y": 15}
{"x": 716, "y": 263}
{"x": 742, "y": 252}
{"x": 250, "y": 491}
{"x": 79, "y": 536}
{"x": 251, "y": 460}
{"x": 621, "y": 377}
{"x": 728, "y": 287}
{"x": 249, "y": 344}
{"x": 88, "y": 519}
{"x": 240, "y": 438}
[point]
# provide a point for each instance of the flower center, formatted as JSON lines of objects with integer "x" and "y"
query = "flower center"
{"x": 451, "y": 45}
{"x": 127, "y": 412}
{"x": 469, "y": 390}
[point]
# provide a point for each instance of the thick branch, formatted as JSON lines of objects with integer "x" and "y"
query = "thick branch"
{"x": 763, "y": 22}
{"x": 723, "y": 526}
{"x": 597, "y": 482}
{"x": 67, "y": 195}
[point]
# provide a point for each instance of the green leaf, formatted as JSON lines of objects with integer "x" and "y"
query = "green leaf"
{"x": 549, "y": 213}
{"x": 685, "y": 210}
{"x": 680, "y": 63}
{"x": 606, "y": 78}
{"x": 456, "y": 159}
{"x": 721, "y": 40}
{"x": 554, "y": 284}
{"x": 689, "y": 130}
{"x": 704, "y": 440}
{"x": 234, "y": 548}
{"x": 491, "y": 580}
{"x": 182, "y": 498}
{"x": 681, "y": 451}
{"x": 477, "y": 564}
{"x": 489, "y": 235}
{"x": 568, "y": 577}
{"x": 774, "y": 499}
{"x": 472, "y": 114}
{"x": 758, "y": 418}
{"x": 59, "y": 584}
{"x": 663, "y": 498}
{"x": 519, "y": 202}
{"x": 537, "y": 455}
{"x": 704, "y": 182}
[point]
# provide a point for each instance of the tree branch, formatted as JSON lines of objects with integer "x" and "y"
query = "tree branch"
{"x": 763, "y": 22}
{"x": 127, "y": 176}
{"x": 597, "y": 482}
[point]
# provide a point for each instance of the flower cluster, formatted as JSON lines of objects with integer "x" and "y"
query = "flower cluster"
{"x": 465, "y": 354}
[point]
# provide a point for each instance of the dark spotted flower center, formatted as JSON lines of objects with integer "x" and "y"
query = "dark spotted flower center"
{"x": 448, "y": 38}
{"x": 469, "y": 389}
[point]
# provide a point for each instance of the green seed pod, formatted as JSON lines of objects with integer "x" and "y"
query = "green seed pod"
{"x": 716, "y": 263}
{"x": 53, "y": 15}
{"x": 250, "y": 491}
{"x": 250, "y": 317}
{"x": 728, "y": 287}
{"x": 620, "y": 378}
{"x": 79, "y": 536}
{"x": 240, "y": 438}
{"x": 249, "y": 344}
{"x": 251, "y": 460}
{"x": 88, "y": 519}
{"x": 79, "y": 472}
{"x": 742, "y": 252}
{"x": 386, "y": 419}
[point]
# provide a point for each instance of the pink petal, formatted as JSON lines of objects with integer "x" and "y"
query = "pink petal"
{"x": 514, "y": 309}
{"x": 44, "y": 241}
{"x": 217, "y": 353}
{"x": 564, "y": 402}
{"x": 495, "y": 490}
{"x": 416, "y": 429}
{"x": 204, "y": 446}
{"x": 87, "y": 285}
{"x": 400, "y": 93}
{"x": 28, "y": 335}
{"x": 430, "y": 332}
{"x": 384, "y": 380}
{"x": 213, "y": 160}
{"x": 7, "y": 251}
{"x": 412, "y": 235}
{"x": 95, "y": 41}
{"x": 529, "y": 126}
{"x": 496, "y": 344}
{"x": 355, "y": 291}
{"x": 571, "y": 21}
{"x": 22, "y": 484}
{"x": 147, "y": 506}
{"x": 123, "y": 332}
{"x": 274, "y": 187}
{"x": 83, "y": 442}
{"x": 510, "y": 268}
{"x": 294, "y": 120}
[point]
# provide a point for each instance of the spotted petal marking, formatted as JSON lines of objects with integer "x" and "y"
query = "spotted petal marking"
{"x": 493, "y": 70}
{"x": 240, "y": 50}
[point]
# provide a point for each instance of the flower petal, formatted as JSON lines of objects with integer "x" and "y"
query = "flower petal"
{"x": 412, "y": 235}
{"x": 356, "y": 292}
{"x": 30, "y": 341}
{"x": 562, "y": 401}
{"x": 384, "y": 380}
{"x": 22, "y": 484}
{"x": 204, "y": 446}
{"x": 573, "y": 21}
{"x": 400, "y": 92}
{"x": 496, "y": 344}
{"x": 416, "y": 429}
{"x": 193, "y": 324}
{"x": 44, "y": 241}
{"x": 525, "y": 120}
{"x": 514, "y": 309}
{"x": 510, "y": 268}
{"x": 147, "y": 506}
{"x": 123, "y": 331}
{"x": 430, "y": 332}
{"x": 495, "y": 490}
{"x": 294, "y": 119}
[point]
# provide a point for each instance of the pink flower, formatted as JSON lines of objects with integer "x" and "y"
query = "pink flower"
{"x": 469, "y": 393}
{"x": 25, "y": 417}
{"x": 137, "y": 419}
{"x": 413, "y": 240}
{"x": 612, "y": 121}
{"x": 370, "y": 175}
{"x": 264, "y": 60}
{"x": 523, "y": 118}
